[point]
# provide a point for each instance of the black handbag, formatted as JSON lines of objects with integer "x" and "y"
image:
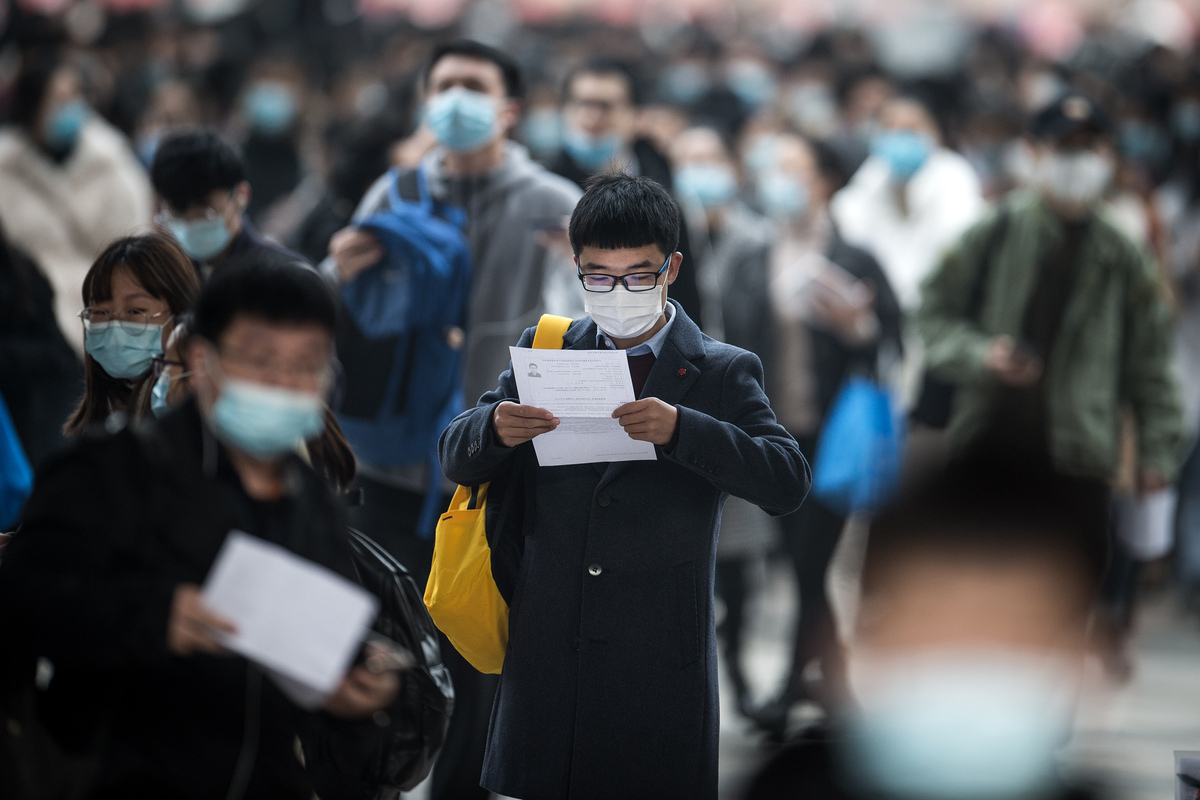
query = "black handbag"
{"x": 936, "y": 399}
{"x": 376, "y": 759}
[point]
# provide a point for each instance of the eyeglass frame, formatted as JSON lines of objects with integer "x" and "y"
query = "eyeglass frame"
{"x": 163, "y": 217}
{"x": 85, "y": 318}
{"x": 620, "y": 278}
{"x": 159, "y": 364}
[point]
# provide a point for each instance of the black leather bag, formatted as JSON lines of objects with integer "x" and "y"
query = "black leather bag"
{"x": 379, "y": 758}
{"x": 936, "y": 399}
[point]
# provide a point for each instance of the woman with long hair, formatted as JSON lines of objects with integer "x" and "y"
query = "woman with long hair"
{"x": 132, "y": 295}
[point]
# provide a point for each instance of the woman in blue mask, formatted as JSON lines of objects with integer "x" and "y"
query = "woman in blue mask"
{"x": 132, "y": 296}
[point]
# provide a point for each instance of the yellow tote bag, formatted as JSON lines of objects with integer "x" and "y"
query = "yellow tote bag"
{"x": 462, "y": 596}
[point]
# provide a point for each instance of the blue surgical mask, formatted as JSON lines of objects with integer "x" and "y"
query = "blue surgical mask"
{"x": 146, "y": 146}
{"x": 158, "y": 395}
{"x": 591, "y": 152}
{"x": 782, "y": 197}
{"x": 709, "y": 185}
{"x": 270, "y": 108}
{"x": 684, "y": 83}
{"x": 265, "y": 421}
{"x": 751, "y": 82}
{"x": 958, "y": 725}
{"x": 202, "y": 239}
{"x": 462, "y": 120}
{"x": 65, "y": 124}
{"x": 541, "y": 130}
{"x": 905, "y": 152}
{"x": 122, "y": 350}
{"x": 1142, "y": 141}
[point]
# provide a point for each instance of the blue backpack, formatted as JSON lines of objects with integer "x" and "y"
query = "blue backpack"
{"x": 401, "y": 336}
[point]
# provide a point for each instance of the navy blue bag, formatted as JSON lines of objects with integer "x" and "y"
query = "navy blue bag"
{"x": 857, "y": 465}
{"x": 16, "y": 476}
{"x": 402, "y": 351}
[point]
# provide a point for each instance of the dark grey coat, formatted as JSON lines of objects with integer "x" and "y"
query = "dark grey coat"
{"x": 609, "y": 686}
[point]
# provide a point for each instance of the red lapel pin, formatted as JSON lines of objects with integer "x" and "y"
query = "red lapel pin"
{"x": 682, "y": 372}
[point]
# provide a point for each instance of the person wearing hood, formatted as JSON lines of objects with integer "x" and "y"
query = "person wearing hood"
{"x": 204, "y": 195}
{"x": 69, "y": 181}
{"x": 514, "y": 210}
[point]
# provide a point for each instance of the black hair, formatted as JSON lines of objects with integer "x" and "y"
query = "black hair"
{"x": 619, "y": 211}
{"x": 514, "y": 84}
{"x": 995, "y": 506}
{"x": 31, "y": 86}
{"x": 606, "y": 66}
{"x": 190, "y": 165}
{"x": 267, "y": 286}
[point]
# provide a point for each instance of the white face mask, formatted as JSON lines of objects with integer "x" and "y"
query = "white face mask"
{"x": 982, "y": 724}
{"x": 1078, "y": 179}
{"x": 623, "y": 314}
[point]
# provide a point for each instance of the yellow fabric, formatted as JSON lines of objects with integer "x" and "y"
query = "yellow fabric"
{"x": 461, "y": 594}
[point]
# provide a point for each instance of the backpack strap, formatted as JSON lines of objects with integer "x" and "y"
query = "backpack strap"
{"x": 550, "y": 332}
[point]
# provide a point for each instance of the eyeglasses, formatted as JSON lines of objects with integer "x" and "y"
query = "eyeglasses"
{"x": 133, "y": 320}
{"x": 634, "y": 282}
{"x": 163, "y": 218}
{"x": 159, "y": 364}
{"x": 319, "y": 375}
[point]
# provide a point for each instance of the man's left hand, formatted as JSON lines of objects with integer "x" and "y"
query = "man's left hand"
{"x": 649, "y": 420}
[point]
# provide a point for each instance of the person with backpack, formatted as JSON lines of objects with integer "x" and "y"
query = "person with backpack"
{"x": 442, "y": 268}
{"x": 609, "y": 682}
{"x": 102, "y": 579}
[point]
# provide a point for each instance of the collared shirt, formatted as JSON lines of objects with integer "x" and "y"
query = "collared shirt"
{"x": 652, "y": 345}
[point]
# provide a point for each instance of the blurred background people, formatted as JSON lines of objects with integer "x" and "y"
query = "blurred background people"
{"x": 204, "y": 197}
{"x": 132, "y": 295}
{"x": 69, "y": 182}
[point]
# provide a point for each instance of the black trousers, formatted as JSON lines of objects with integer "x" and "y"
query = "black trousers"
{"x": 389, "y": 515}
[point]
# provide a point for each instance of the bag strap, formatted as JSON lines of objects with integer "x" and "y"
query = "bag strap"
{"x": 995, "y": 238}
{"x": 550, "y": 332}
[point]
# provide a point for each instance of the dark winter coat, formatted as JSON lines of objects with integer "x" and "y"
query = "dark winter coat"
{"x": 609, "y": 686}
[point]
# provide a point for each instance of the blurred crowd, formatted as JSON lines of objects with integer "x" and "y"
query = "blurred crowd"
{"x": 859, "y": 142}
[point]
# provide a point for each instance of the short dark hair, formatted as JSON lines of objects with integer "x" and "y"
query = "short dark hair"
{"x": 619, "y": 211}
{"x": 190, "y": 165}
{"x": 31, "y": 85}
{"x": 607, "y": 66}
{"x": 990, "y": 507}
{"x": 514, "y": 84}
{"x": 268, "y": 286}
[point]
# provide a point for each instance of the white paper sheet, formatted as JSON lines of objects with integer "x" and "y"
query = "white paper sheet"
{"x": 1146, "y": 524}
{"x": 301, "y": 622}
{"x": 582, "y": 388}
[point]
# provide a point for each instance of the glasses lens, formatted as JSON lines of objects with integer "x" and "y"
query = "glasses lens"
{"x": 134, "y": 321}
{"x": 640, "y": 281}
{"x": 157, "y": 366}
{"x": 598, "y": 283}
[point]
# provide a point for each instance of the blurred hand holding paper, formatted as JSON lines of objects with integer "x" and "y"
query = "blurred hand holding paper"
{"x": 581, "y": 388}
{"x": 300, "y": 621}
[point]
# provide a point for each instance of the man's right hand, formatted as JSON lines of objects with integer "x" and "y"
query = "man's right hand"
{"x": 516, "y": 424}
{"x": 1011, "y": 365}
{"x": 192, "y": 628}
{"x": 353, "y": 250}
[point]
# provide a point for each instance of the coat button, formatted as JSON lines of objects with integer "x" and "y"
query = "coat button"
{"x": 604, "y": 500}
{"x": 594, "y": 570}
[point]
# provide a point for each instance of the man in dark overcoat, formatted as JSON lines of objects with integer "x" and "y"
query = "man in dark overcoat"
{"x": 609, "y": 686}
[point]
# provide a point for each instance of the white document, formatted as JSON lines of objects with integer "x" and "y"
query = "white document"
{"x": 298, "y": 620}
{"x": 582, "y": 388}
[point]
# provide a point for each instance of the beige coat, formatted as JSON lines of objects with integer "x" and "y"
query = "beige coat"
{"x": 65, "y": 214}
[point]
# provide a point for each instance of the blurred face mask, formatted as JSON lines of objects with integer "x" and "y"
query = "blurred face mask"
{"x": 591, "y": 152}
{"x": 462, "y": 120}
{"x": 969, "y": 725}
{"x": 752, "y": 82}
{"x": 684, "y": 83}
{"x": 782, "y": 197}
{"x": 905, "y": 152}
{"x": 64, "y": 126}
{"x": 270, "y": 108}
{"x": 123, "y": 351}
{"x": 708, "y": 185}
{"x": 202, "y": 239}
{"x": 1078, "y": 178}
{"x": 265, "y": 421}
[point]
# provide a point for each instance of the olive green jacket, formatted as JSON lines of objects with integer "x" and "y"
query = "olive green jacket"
{"x": 1113, "y": 349}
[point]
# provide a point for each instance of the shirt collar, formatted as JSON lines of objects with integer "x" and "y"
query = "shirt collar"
{"x": 652, "y": 345}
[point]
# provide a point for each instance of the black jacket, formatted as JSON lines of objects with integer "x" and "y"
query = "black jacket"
{"x": 113, "y": 526}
